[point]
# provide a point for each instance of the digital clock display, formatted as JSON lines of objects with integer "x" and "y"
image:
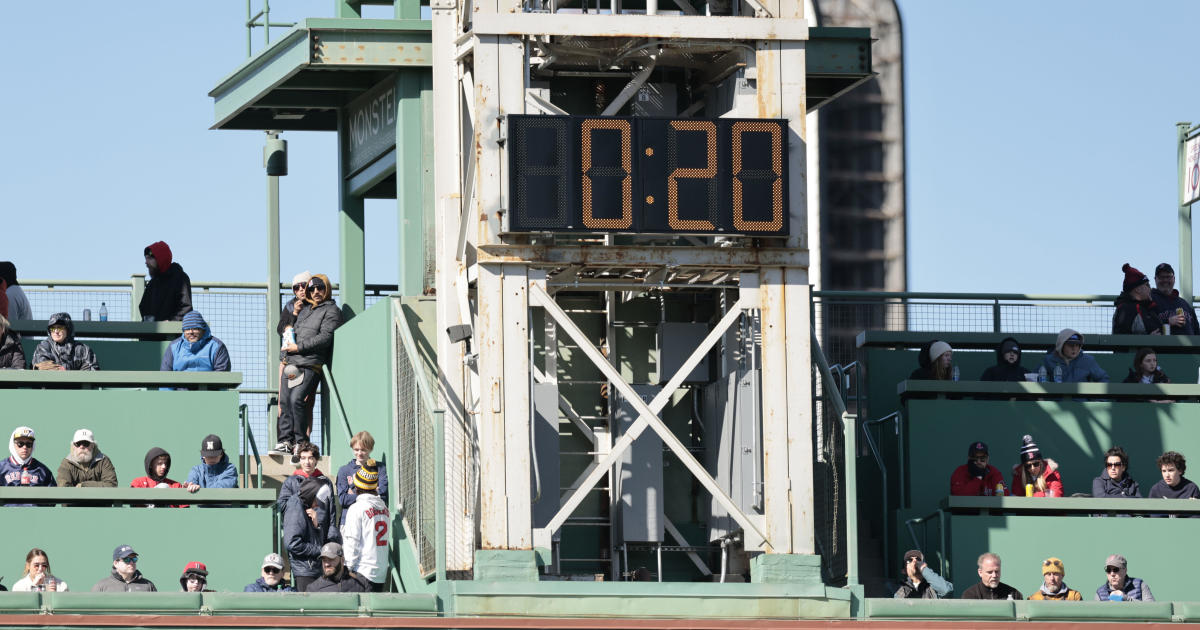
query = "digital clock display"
{"x": 648, "y": 175}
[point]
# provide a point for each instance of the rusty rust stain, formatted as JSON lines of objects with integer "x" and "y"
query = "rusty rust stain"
{"x": 361, "y": 47}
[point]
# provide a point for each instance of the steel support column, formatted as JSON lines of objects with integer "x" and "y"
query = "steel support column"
{"x": 352, "y": 262}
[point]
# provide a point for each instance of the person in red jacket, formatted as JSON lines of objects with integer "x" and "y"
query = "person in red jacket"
{"x": 977, "y": 478}
{"x": 1036, "y": 471}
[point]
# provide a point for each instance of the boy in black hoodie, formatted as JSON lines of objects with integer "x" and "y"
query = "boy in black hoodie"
{"x": 1008, "y": 363}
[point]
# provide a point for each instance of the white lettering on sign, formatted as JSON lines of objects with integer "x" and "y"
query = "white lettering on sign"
{"x": 1191, "y": 171}
{"x": 379, "y": 114}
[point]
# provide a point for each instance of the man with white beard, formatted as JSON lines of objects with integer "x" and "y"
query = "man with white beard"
{"x": 86, "y": 466}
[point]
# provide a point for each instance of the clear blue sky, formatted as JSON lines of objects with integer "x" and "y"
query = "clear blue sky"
{"x": 1041, "y": 149}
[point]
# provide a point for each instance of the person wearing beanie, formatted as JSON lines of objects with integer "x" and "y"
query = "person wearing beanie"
{"x": 1036, "y": 471}
{"x": 1172, "y": 309}
{"x": 1114, "y": 481}
{"x": 85, "y": 466}
{"x": 365, "y": 534}
{"x": 934, "y": 362}
{"x": 196, "y": 350}
{"x": 302, "y": 535}
{"x": 168, "y": 293}
{"x": 194, "y": 578}
{"x": 18, "y": 304}
{"x": 977, "y": 477}
{"x": 1135, "y": 314}
{"x": 921, "y": 582}
{"x": 12, "y": 355}
{"x": 1008, "y": 363}
{"x": 1174, "y": 485}
{"x": 1119, "y": 585}
{"x": 1073, "y": 365}
{"x": 304, "y": 357}
{"x": 20, "y": 468}
{"x": 60, "y": 351}
{"x": 1053, "y": 587}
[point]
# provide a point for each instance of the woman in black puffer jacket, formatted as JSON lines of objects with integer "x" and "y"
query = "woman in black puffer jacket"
{"x": 12, "y": 356}
{"x": 303, "y": 361}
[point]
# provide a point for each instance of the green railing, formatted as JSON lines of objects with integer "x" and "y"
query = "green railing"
{"x": 248, "y": 440}
{"x": 849, "y": 494}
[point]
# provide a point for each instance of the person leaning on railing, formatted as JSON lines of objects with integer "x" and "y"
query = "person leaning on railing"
{"x": 1008, "y": 363}
{"x": 311, "y": 350}
{"x": 934, "y": 362}
{"x": 1119, "y": 585}
{"x": 921, "y": 582}
{"x": 12, "y": 356}
{"x": 977, "y": 477}
{"x": 1135, "y": 313}
{"x": 1069, "y": 363}
{"x": 1034, "y": 475}
{"x": 60, "y": 351}
{"x": 37, "y": 575}
{"x": 1114, "y": 481}
{"x": 1053, "y": 588}
{"x": 1172, "y": 309}
{"x": 20, "y": 468}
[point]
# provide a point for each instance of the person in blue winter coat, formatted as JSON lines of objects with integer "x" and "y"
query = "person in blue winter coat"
{"x": 1068, "y": 357}
{"x": 271, "y": 580}
{"x": 20, "y": 468}
{"x": 197, "y": 350}
{"x": 216, "y": 471}
{"x": 302, "y": 535}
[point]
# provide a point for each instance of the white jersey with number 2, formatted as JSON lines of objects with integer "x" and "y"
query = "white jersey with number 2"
{"x": 365, "y": 537}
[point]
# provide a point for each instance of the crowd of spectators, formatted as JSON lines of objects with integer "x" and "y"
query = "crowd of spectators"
{"x": 921, "y": 582}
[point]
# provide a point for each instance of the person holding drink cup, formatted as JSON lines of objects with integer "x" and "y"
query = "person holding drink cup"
{"x": 37, "y": 574}
{"x": 1034, "y": 475}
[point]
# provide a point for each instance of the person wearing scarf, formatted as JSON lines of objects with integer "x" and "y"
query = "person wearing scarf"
{"x": 20, "y": 468}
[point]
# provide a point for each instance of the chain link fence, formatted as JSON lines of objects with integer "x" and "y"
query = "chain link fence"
{"x": 416, "y": 416}
{"x": 839, "y": 316}
{"x": 236, "y": 315}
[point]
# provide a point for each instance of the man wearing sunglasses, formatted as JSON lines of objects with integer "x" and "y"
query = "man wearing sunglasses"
{"x": 1120, "y": 587}
{"x": 20, "y": 468}
{"x": 287, "y": 335}
{"x": 86, "y": 466}
{"x": 305, "y": 356}
{"x": 271, "y": 580}
{"x": 125, "y": 577}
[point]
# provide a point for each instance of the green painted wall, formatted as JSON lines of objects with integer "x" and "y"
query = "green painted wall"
{"x": 80, "y": 541}
{"x": 114, "y": 355}
{"x": 126, "y": 423}
{"x": 1159, "y": 550}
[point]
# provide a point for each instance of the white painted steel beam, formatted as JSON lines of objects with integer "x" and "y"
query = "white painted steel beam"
{"x": 516, "y": 410}
{"x": 626, "y": 26}
{"x": 648, "y": 416}
{"x": 646, "y": 255}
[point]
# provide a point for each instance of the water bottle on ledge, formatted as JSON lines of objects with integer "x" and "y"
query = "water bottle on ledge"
{"x": 1058, "y": 374}
{"x": 103, "y": 312}
{"x": 87, "y": 314}
{"x": 954, "y": 374}
{"x": 1042, "y": 374}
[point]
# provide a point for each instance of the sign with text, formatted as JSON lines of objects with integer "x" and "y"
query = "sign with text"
{"x": 369, "y": 126}
{"x": 1191, "y": 171}
{"x": 648, "y": 175}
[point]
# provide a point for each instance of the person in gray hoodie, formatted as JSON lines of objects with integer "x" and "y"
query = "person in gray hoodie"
{"x": 86, "y": 466}
{"x": 60, "y": 351}
{"x": 1069, "y": 361}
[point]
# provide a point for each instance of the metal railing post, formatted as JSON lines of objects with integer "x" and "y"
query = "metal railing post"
{"x": 995, "y": 315}
{"x": 850, "y": 462}
{"x": 137, "y": 286}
